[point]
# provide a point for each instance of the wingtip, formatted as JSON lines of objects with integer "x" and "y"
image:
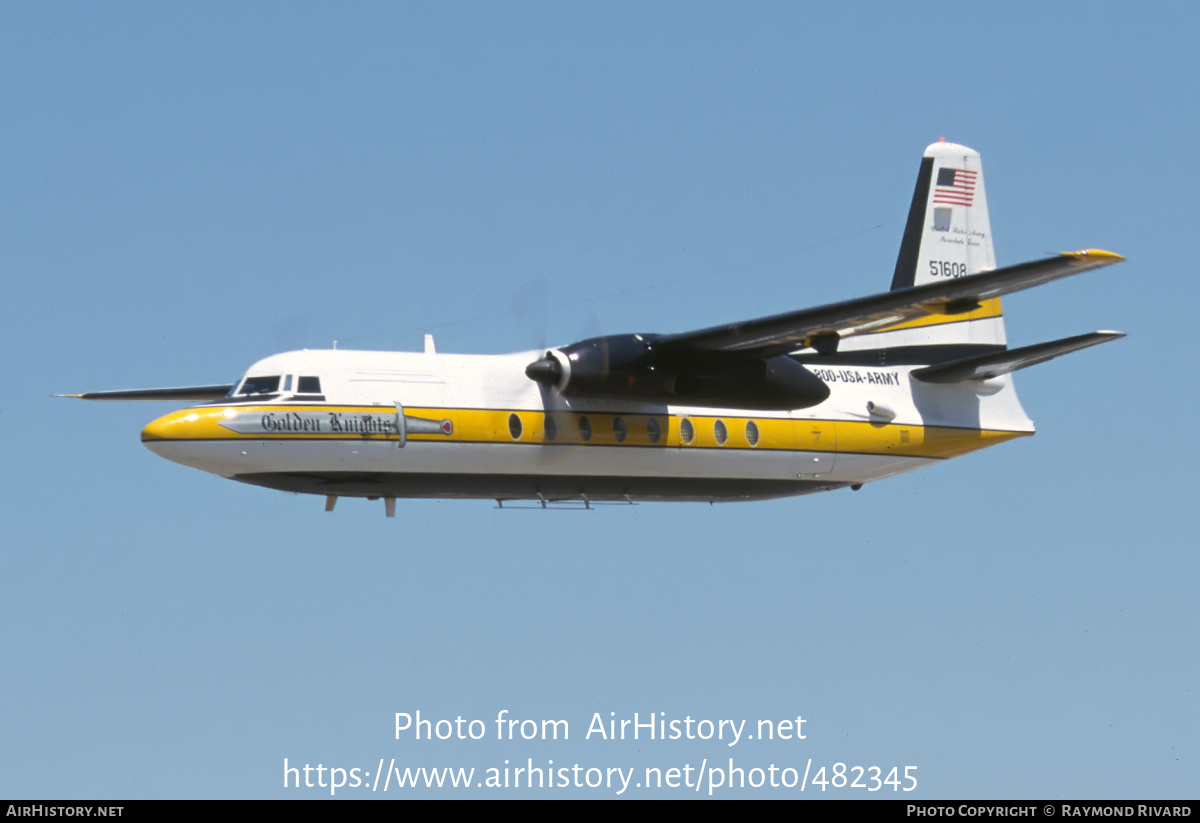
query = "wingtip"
{"x": 1095, "y": 255}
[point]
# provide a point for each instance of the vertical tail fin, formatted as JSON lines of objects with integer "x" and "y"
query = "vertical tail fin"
{"x": 948, "y": 235}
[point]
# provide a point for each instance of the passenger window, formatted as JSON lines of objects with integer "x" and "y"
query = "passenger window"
{"x": 686, "y": 431}
{"x": 751, "y": 432}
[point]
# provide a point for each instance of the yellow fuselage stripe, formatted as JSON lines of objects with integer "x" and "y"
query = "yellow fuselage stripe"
{"x": 493, "y": 426}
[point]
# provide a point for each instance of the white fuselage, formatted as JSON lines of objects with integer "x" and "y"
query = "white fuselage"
{"x": 397, "y": 424}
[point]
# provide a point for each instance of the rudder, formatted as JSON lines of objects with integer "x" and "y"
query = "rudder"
{"x": 948, "y": 235}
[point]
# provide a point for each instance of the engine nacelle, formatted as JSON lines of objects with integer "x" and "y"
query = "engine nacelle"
{"x": 620, "y": 365}
{"x": 629, "y": 367}
{"x": 778, "y": 383}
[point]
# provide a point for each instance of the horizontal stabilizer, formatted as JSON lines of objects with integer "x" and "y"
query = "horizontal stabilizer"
{"x": 987, "y": 366}
{"x": 784, "y": 333}
{"x": 178, "y": 393}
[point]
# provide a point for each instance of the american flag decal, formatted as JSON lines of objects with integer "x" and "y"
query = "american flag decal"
{"x": 955, "y": 187}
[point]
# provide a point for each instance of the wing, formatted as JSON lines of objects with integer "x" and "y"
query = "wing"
{"x": 177, "y": 393}
{"x": 822, "y": 326}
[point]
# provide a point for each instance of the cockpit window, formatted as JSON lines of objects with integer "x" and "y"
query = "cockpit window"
{"x": 309, "y": 385}
{"x": 254, "y": 386}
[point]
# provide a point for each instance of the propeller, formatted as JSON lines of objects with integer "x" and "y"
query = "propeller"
{"x": 546, "y": 371}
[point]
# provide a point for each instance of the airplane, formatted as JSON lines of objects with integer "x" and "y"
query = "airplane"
{"x": 811, "y": 400}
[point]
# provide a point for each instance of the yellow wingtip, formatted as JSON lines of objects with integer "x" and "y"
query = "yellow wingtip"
{"x": 1095, "y": 254}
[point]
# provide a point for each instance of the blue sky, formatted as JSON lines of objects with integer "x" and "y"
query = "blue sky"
{"x": 189, "y": 188}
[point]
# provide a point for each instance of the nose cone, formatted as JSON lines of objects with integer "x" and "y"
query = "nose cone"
{"x": 180, "y": 425}
{"x": 192, "y": 437}
{"x": 183, "y": 436}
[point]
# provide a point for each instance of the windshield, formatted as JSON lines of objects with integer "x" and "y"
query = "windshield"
{"x": 254, "y": 386}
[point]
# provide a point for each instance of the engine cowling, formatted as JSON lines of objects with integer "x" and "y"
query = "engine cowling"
{"x": 619, "y": 365}
{"x": 630, "y": 367}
